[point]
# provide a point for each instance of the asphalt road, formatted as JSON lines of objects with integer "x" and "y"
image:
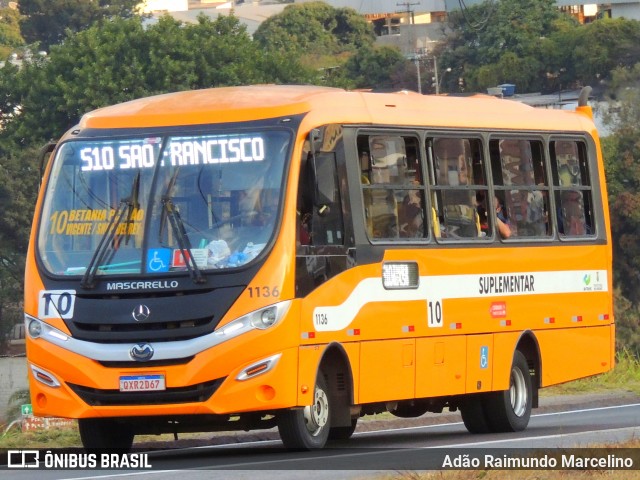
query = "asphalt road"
{"x": 393, "y": 447}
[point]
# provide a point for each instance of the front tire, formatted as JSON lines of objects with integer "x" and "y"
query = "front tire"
{"x": 308, "y": 428}
{"x": 510, "y": 410}
{"x": 105, "y": 434}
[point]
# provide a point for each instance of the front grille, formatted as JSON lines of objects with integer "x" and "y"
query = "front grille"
{"x": 154, "y": 318}
{"x": 150, "y": 364}
{"x": 200, "y": 392}
{"x": 171, "y": 330}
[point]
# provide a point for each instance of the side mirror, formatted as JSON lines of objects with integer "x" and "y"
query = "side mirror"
{"x": 44, "y": 157}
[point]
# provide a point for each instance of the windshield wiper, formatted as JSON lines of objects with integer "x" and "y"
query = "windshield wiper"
{"x": 127, "y": 206}
{"x": 177, "y": 226}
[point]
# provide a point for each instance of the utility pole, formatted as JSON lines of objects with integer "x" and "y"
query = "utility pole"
{"x": 408, "y": 11}
{"x": 410, "y": 38}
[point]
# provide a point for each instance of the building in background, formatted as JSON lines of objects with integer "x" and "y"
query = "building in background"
{"x": 149, "y": 6}
{"x": 585, "y": 12}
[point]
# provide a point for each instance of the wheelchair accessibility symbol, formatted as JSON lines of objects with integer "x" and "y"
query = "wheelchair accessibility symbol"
{"x": 484, "y": 357}
{"x": 158, "y": 260}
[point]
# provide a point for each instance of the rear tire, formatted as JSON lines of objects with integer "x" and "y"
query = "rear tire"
{"x": 105, "y": 434}
{"x": 343, "y": 433}
{"x": 308, "y": 428}
{"x": 510, "y": 410}
{"x": 473, "y": 414}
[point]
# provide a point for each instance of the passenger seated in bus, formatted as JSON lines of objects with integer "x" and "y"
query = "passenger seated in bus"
{"x": 571, "y": 218}
{"x": 410, "y": 214}
{"x": 380, "y": 204}
{"x": 481, "y": 209}
{"x": 502, "y": 220}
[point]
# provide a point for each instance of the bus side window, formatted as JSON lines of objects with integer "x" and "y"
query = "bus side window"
{"x": 393, "y": 191}
{"x": 519, "y": 176}
{"x": 572, "y": 188}
{"x": 458, "y": 184}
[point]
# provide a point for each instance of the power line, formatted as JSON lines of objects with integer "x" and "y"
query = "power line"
{"x": 482, "y": 23}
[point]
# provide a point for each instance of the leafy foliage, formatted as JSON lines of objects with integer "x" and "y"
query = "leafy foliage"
{"x": 622, "y": 161}
{"x": 315, "y": 28}
{"x": 375, "y": 68}
{"x": 508, "y": 47}
{"x": 48, "y": 21}
{"x": 10, "y": 37}
{"x": 119, "y": 60}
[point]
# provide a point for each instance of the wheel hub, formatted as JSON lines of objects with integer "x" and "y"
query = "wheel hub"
{"x": 518, "y": 392}
{"x": 317, "y": 414}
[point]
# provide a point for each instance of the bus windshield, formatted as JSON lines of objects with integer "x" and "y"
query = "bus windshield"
{"x": 156, "y": 204}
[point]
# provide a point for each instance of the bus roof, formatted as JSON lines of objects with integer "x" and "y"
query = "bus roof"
{"x": 331, "y": 105}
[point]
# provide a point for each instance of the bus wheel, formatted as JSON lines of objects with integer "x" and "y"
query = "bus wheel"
{"x": 343, "y": 433}
{"x": 307, "y": 428}
{"x": 510, "y": 410}
{"x": 99, "y": 434}
{"x": 473, "y": 416}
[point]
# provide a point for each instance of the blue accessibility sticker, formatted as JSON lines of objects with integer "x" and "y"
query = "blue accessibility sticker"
{"x": 158, "y": 260}
{"x": 484, "y": 357}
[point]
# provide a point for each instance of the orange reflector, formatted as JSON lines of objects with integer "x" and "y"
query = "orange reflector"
{"x": 44, "y": 377}
{"x": 257, "y": 369}
{"x": 304, "y": 389}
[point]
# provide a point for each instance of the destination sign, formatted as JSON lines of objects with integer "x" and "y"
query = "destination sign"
{"x": 179, "y": 151}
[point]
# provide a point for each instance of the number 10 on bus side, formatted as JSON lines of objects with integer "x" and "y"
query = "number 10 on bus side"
{"x": 434, "y": 313}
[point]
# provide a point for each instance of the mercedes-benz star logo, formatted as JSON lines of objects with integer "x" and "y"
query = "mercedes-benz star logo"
{"x": 141, "y": 313}
{"x": 141, "y": 352}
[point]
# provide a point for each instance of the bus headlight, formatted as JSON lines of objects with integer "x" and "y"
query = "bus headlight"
{"x": 267, "y": 318}
{"x": 34, "y": 327}
{"x": 39, "y": 329}
{"x": 260, "y": 319}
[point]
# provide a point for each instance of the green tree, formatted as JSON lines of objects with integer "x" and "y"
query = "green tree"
{"x": 315, "y": 29}
{"x": 47, "y": 21}
{"x": 622, "y": 162}
{"x": 602, "y": 46}
{"x": 502, "y": 42}
{"x": 10, "y": 37}
{"x": 119, "y": 60}
{"x": 378, "y": 68}
{"x": 18, "y": 186}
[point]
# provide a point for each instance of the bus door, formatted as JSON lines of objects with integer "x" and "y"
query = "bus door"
{"x": 324, "y": 232}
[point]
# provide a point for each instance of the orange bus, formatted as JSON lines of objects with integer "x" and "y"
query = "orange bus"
{"x": 300, "y": 256}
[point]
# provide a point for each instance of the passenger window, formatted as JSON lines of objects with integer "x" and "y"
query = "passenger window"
{"x": 392, "y": 186}
{"x": 459, "y": 188}
{"x": 572, "y": 188}
{"x": 521, "y": 186}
